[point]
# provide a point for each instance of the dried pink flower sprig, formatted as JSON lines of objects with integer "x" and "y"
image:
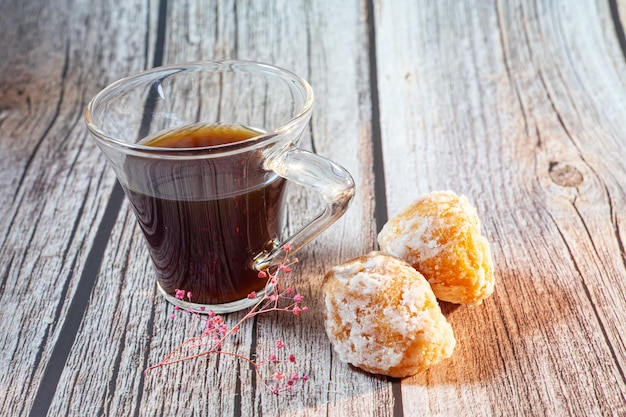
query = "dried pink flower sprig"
{"x": 215, "y": 331}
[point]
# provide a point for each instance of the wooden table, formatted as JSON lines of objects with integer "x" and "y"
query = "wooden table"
{"x": 519, "y": 105}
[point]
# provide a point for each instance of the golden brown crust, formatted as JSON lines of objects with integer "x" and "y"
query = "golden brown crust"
{"x": 439, "y": 235}
{"x": 382, "y": 316}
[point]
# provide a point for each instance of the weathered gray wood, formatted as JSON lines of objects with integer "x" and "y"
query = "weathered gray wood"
{"x": 516, "y": 106}
{"x": 257, "y": 31}
{"x": 327, "y": 45}
{"x": 54, "y": 183}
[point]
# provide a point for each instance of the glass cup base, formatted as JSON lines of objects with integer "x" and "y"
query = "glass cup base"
{"x": 229, "y": 307}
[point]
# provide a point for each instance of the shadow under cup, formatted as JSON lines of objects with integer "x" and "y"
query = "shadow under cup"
{"x": 212, "y": 216}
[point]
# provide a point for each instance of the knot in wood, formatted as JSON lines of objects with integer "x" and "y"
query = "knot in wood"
{"x": 565, "y": 175}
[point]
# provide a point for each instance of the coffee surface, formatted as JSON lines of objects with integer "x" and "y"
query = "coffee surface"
{"x": 202, "y": 135}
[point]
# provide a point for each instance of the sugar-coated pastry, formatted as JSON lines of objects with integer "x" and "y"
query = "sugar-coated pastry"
{"x": 439, "y": 235}
{"x": 382, "y": 316}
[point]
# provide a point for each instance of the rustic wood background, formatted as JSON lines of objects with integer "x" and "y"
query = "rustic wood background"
{"x": 520, "y": 105}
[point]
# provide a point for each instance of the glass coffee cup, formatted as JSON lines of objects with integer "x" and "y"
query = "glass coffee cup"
{"x": 203, "y": 152}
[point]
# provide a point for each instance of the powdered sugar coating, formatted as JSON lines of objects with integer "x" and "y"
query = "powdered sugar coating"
{"x": 439, "y": 235}
{"x": 382, "y": 316}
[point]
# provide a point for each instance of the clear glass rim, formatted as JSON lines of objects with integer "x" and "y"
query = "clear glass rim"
{"x": 218, "y": 65}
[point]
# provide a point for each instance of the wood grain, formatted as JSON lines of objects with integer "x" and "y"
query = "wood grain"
{"x": 328, "y": 46}
{"x": 518, "y": 105}
{"x": 507, "y": 105}
{"x": 124, "y": 313}
{"x": 55, "y": 185}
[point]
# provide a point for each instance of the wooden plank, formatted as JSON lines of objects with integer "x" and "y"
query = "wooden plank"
{"x": 516, "y": 107}
{"x": 54, "y": 182}
{"x": 328, "y": 45}
{"x": 324, "y": 44}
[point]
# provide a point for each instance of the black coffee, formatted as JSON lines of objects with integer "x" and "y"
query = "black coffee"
{"x": 205, "y": 220}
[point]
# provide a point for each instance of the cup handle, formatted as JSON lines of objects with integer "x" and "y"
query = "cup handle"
{"x": 310, "y": 170}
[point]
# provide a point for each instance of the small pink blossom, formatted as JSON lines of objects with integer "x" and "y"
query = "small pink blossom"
{"x": 214, "y": 330}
